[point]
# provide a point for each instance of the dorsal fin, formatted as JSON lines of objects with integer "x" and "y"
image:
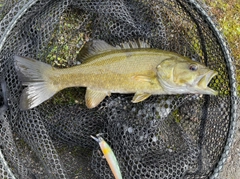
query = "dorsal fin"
{"x": 134, "y": 44}
{"x": 95, "y": 47}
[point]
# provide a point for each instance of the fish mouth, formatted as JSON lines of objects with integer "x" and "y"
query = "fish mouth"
{"x": 205, "y": 80}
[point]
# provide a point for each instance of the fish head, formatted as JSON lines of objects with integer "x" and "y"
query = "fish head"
{"x": 181, "y": 75}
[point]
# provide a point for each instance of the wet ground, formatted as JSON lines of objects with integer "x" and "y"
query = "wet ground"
{"x": 231, "y": 169}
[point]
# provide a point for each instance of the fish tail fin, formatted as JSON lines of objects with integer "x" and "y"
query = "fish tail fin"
{"x": 35, "y": 75}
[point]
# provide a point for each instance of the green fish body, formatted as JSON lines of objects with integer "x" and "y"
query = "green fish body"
{"x": 107, "y": 69}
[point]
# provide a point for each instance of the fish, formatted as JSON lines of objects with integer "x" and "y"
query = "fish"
{"x": 132, "y": 67}
{"x": 110, "y": 157}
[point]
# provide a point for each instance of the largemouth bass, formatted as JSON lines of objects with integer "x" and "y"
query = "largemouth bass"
{"x": 132, "y": 68}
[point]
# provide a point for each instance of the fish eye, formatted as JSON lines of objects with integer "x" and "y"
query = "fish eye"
{"x": 193, "y": 67}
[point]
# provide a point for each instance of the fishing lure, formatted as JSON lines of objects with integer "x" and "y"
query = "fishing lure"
{"x": 110, "y": 157}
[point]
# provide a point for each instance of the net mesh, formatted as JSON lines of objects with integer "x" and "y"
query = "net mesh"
{"x": 170, "y": 136}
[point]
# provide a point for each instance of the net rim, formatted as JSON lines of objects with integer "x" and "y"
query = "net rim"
{"x": 228, "y": 59}
{"x": 14, "y": 20}
{"x": 233, "y": 85}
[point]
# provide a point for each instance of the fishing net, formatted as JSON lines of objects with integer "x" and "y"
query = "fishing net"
{"x": 166, "y": 136}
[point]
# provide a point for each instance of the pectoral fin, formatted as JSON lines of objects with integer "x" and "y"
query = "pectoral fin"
{"x": 138, "y": 97}
{"x": 143, "y": 78}
{"x": 93, "y": 97}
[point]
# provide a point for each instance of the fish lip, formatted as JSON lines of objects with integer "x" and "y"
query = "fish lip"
{"x": 205, "y": 80}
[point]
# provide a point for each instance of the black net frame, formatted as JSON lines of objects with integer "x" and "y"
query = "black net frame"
{"x": 45, "y": 132}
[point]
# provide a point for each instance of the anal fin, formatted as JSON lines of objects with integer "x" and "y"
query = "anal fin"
{"x": 94, "y": 97}
{"x": 138, "y": 97}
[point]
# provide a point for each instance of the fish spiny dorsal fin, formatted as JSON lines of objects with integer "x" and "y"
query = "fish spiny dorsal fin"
{"x": 143, "y": 44}
{"x": 134, "y": 44}
{"x": 94, "y": 47}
